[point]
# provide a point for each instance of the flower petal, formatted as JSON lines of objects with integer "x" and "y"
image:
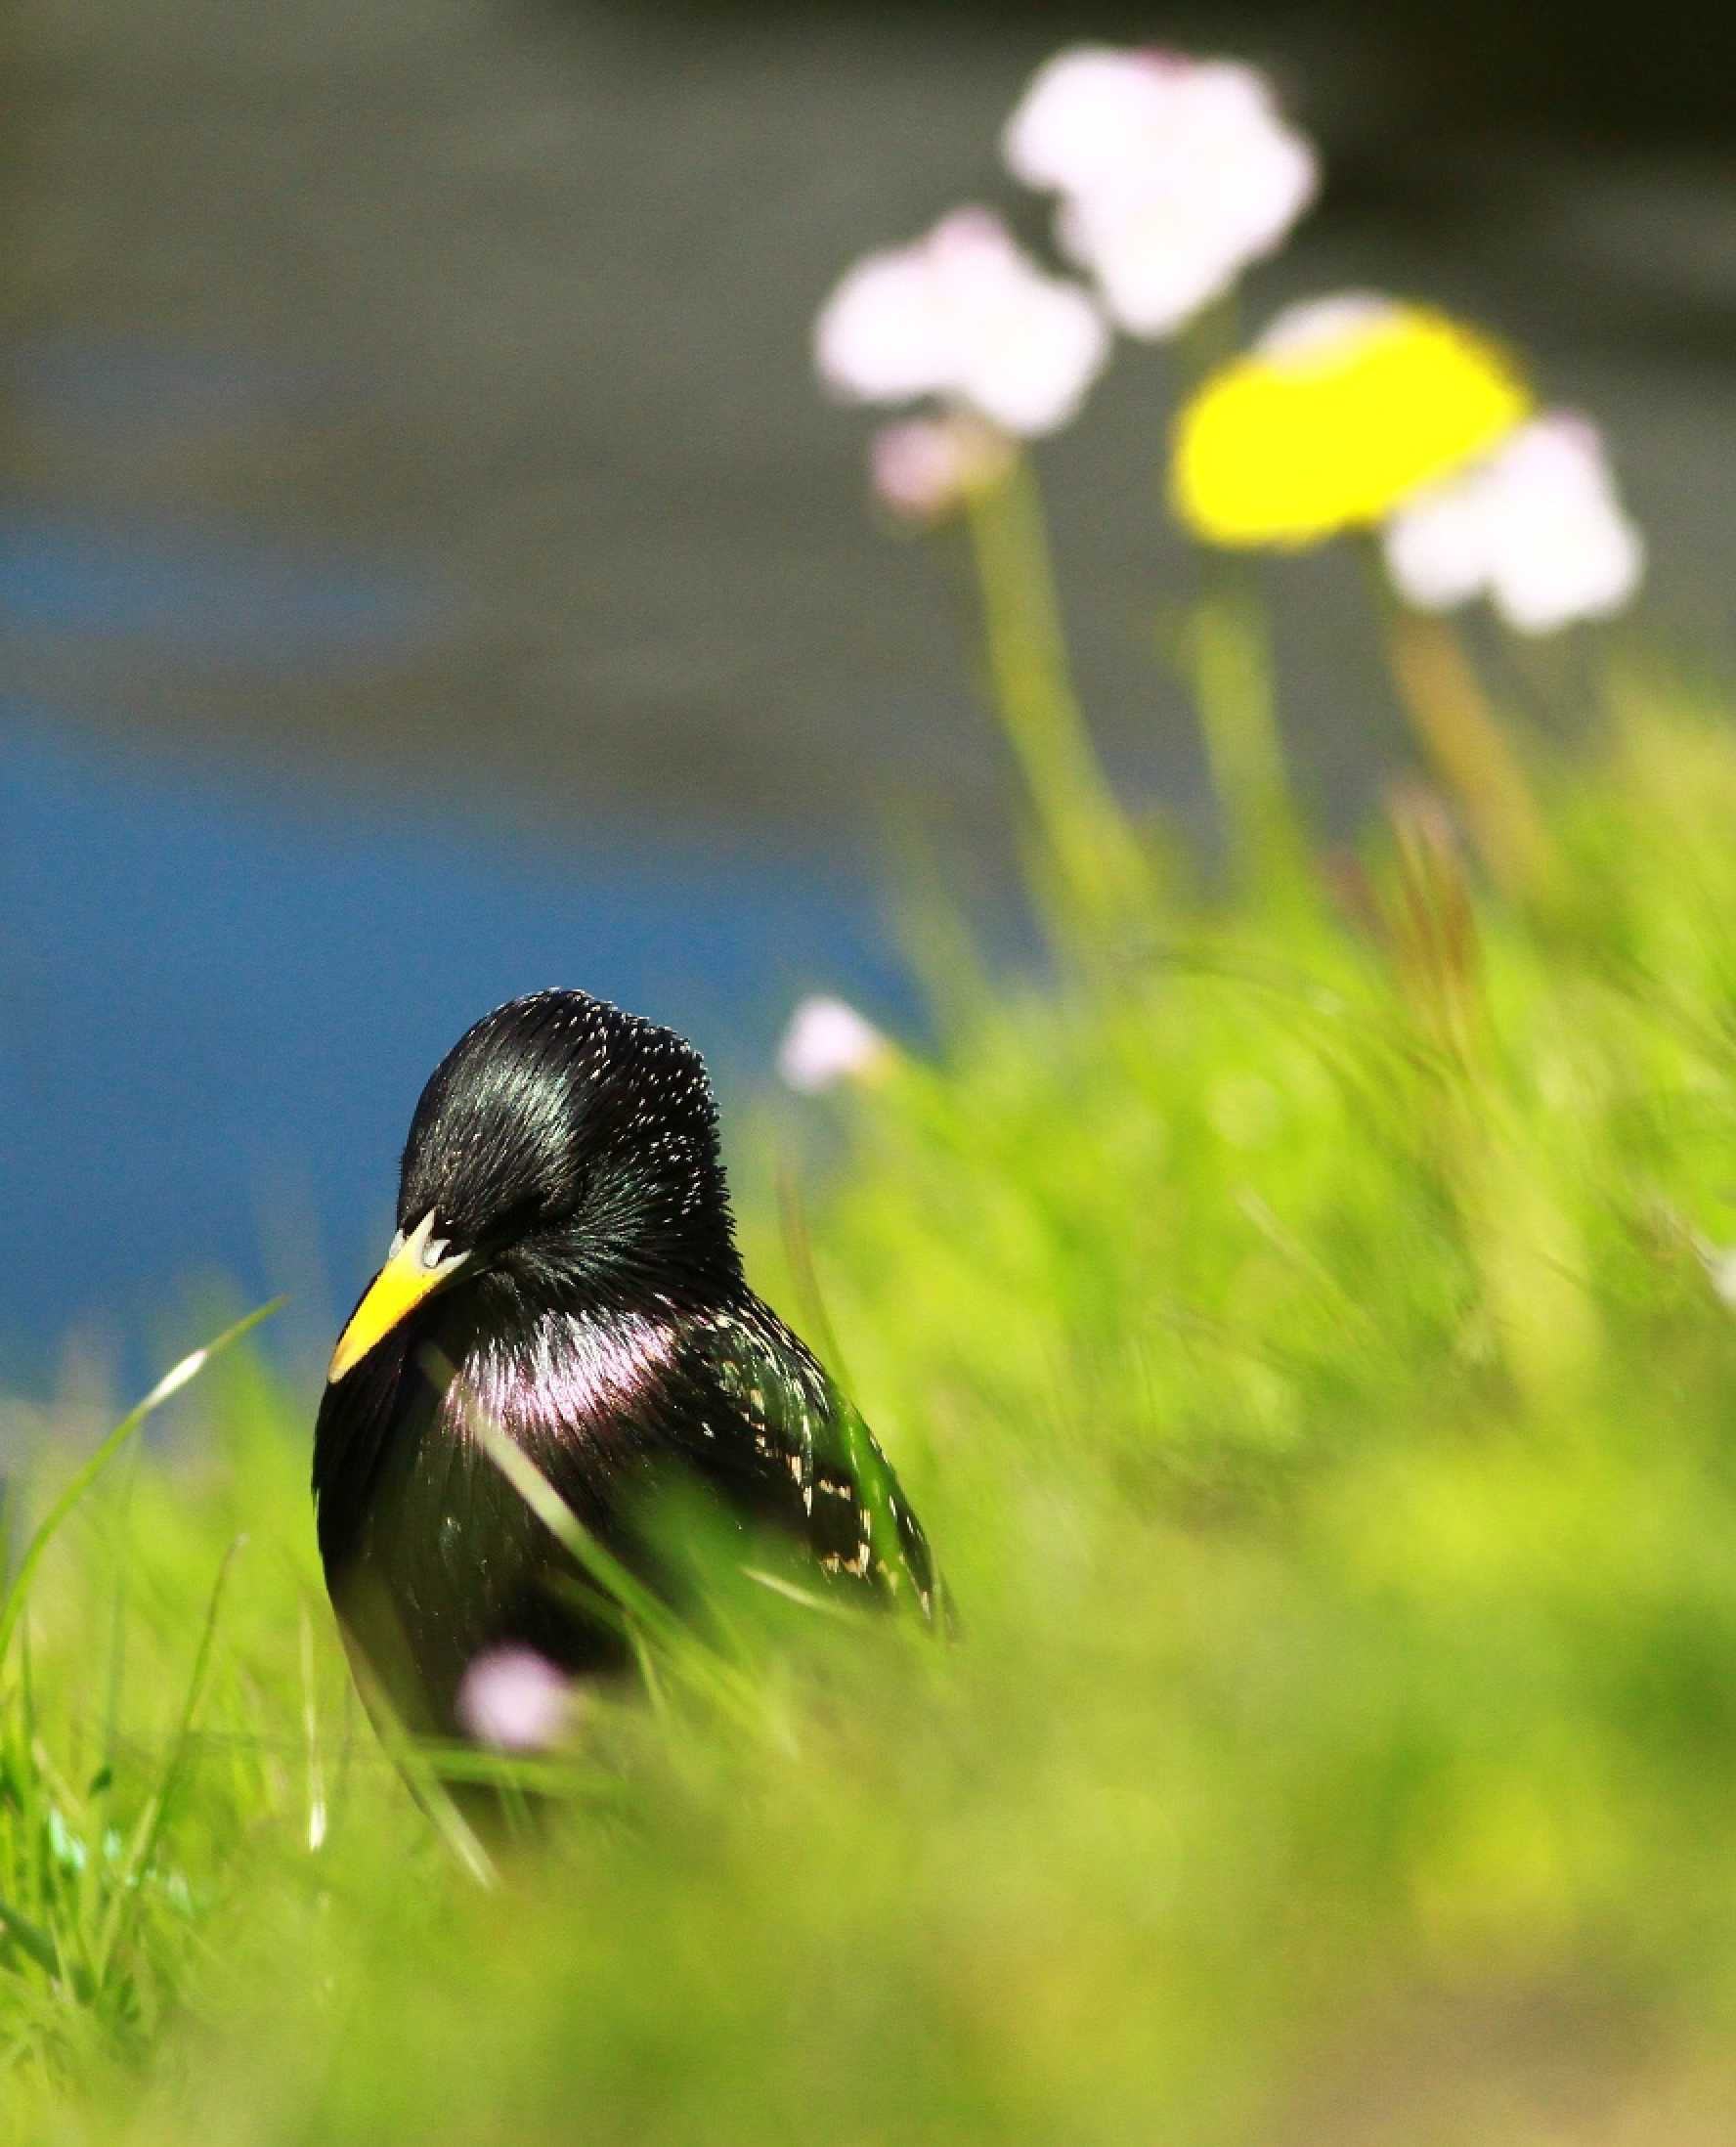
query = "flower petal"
{"x": 1437, "y": 545}
{"x": 881, "y": 336}
{"x": 963, "y": 314}
{"x": 1031, "y": 367}
{"x": 827, "y": 1042}
{"x": 1342, "y": 412}
{"x": 1088, "y": 115}
{"x": 1564, "y": 549}
{"x": 1174, "y": 173}
{"x": 1537, "y": 527}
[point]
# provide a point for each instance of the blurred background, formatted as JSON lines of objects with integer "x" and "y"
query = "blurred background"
{"x": 428, "y": 571}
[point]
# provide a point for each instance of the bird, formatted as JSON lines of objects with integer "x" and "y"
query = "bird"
{"x": 565, "y": 1275}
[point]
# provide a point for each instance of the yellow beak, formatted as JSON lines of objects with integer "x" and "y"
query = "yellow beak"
{"x": 408, "y": 1275}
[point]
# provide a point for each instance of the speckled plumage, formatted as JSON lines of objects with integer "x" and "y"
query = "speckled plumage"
{"x": 604, "y": 1322}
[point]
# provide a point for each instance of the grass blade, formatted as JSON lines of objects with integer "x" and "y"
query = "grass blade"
{"x": 171, "y": 1384}
{"x": 149, "y": 1831}
{"x": 651, "y": 1623}
{"x": 36, "y": 1946}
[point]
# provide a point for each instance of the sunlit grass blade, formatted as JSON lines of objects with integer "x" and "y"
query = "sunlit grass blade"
{"x": 419, "y": 1764}
{"x": 146, "y": 1834}
{"x": 170, "y": 1384}
{"x": 653, "y": 1627}
{"x": 312, "y": 1754}
{"x": 805, "y": 1597}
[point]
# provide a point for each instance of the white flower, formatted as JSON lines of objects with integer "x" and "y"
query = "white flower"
{"x": 1537, "y": 528}
{"x": 827, "y": 1042}
{"x": 964, "y": 315}
{"x": 1309, "y": 329}
{"x": 924, "y": 468}
{"x": 514, "y": 1700}
{"x": 1174, "y": 174}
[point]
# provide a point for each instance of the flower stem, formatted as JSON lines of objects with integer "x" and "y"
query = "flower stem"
{"x": 1230, "y": 669}
{"x": 1231, "y": 678}
{"x": 1091, "y": 857}
{"x": 1464, "y": 738}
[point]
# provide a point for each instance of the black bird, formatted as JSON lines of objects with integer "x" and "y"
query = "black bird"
{"x": 565, "y": 1269}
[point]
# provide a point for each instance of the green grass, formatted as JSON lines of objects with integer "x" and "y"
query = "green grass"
{"x": 1300, "y": 1343}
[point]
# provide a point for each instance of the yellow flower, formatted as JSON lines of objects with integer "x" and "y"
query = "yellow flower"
{"x": 1343, "y": 409}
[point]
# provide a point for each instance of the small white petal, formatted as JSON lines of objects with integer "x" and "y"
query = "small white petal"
{"x": 1033, "y": 365}
{"x": 964, "y": 315}
{"x": 1089, "y": 114}
{"x": 827, "y": 1042}
{"x": 1537, "y": 528}
{"x": 1297, "y": 333}
{"x": 1564, "y": 550}
{"x": 881, "y": 336}
{"x": 1174, "y": 174}
{"x": 1437, "y": 546}
{"x": 1156, "y": 270}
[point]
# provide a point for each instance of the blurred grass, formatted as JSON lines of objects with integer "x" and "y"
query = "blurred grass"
{"x": 1302, "y": 1343}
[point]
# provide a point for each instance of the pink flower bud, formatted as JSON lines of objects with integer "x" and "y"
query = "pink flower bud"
{"x": 514, "y": 1700}
{"x": 827, "y": 1042}
{"x": 924, "y": 469}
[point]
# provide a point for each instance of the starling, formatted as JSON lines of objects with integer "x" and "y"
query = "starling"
{"x": 565, "y": 1269}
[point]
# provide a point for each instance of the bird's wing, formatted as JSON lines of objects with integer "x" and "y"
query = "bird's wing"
{"x": 759, "y": 1419}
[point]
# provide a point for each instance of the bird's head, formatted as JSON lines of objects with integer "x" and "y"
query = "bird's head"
{"x": 562, "y": 1152}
